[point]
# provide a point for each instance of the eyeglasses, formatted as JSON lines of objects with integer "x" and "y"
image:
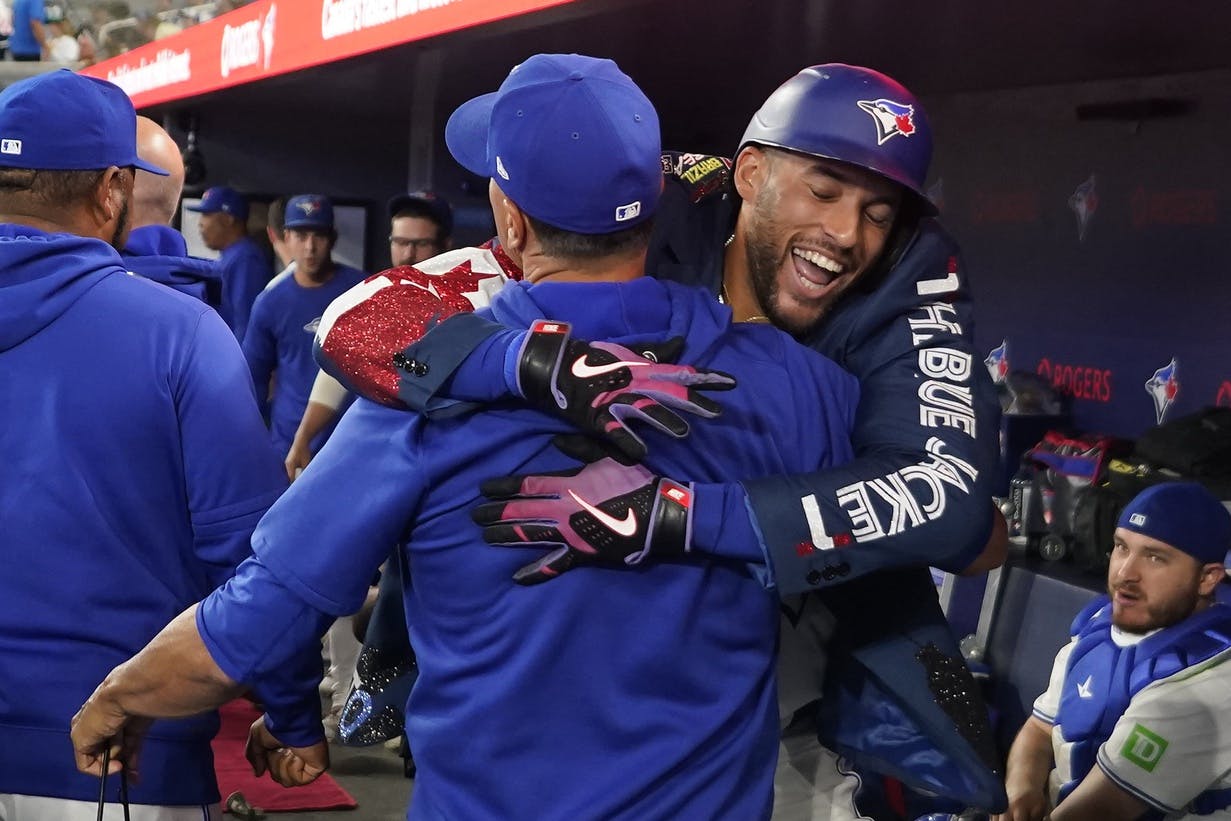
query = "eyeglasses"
{"x": 403, "y": 242}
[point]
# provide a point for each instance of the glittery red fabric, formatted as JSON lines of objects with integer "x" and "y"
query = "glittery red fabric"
{"x": 365, "y": 338}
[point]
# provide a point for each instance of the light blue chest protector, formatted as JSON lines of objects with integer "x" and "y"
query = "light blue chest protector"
{"x": 1101, "y": 679}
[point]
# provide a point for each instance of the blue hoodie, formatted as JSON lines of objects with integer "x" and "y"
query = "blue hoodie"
{"x": 527, "y": 705}
{"x": 160, "y": 253}
{"x": 134, "y": 469}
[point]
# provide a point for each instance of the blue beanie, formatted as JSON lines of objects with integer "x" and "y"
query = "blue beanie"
{"x": 1184, "y": 515}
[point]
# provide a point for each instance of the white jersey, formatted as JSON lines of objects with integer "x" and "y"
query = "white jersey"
{"x": 1172, "y": 743}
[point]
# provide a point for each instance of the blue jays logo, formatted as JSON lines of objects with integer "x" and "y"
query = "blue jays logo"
{"x": 1084, "y": 202}
{"x": 997, "y": 362}
{"x": 309, "y": 207}
{"x": 1163, "y": 388}
{"x": 891, "y": 118}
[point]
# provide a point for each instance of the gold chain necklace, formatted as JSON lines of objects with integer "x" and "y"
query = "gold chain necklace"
{"x": 726, "y": 300}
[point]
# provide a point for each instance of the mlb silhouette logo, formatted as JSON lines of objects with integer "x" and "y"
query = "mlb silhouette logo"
{"x": 627, "y": 212}
{"x": 1137, "y": 520}
{"x": 10, "y": 146}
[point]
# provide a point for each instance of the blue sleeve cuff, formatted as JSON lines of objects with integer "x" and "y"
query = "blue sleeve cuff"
{"x": 440, "y": 352}
{"x": 722, "y": 525}
{"x": 484, "y": 375}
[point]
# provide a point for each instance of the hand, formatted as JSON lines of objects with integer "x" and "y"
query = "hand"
{"x": 289, "y": 766}
{"x": 297, "y": 459}
{"x": 1030, "y": 806}
{"x": 599, "y": 386}
{"x": 101, "y": 724}
{"x": 605, "y": 512}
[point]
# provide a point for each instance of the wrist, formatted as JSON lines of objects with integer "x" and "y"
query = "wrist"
{"x": 538, "y": 360}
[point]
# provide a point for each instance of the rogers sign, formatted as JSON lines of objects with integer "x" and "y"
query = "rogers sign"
{"x": 248, "y": 44}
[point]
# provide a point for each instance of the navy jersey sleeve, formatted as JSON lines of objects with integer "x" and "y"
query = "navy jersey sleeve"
{"x": 925, "y": 437}
{"x": 231, "y": 472}
{"x": 261, "y": 346}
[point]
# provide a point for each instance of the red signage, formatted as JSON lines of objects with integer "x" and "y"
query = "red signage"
{"x": 271, "y": 37}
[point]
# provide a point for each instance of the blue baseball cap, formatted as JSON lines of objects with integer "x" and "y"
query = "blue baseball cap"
{"x": 1184, "y": 515}
{"x": 309, "y": 211}
{"x": 571, "y": 139}
{"x": 221, "y": 199}
{"x": 63, "y": 121}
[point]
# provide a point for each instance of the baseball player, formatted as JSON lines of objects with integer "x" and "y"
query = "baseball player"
{"x": 516, "y": 713}
{"x": 821, "y": 226}
{"x": 1135, "y": 719}
{"x": 243, "y": 265}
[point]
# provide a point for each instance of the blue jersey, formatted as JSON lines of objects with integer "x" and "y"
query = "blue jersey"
{"x": 135, "y": 467}
{"x": 525, "y": 708}
{"x": 22, "y": 42}
{"x": 279, "y": 338}
{"x": 245, "y": 272}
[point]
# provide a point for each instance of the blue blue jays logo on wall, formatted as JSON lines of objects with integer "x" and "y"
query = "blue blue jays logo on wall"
{"x": 1163, "y": 388}
{"x": 309, "y": 207}
{"x": 891, "y": 118}
{"x": 1084, "y": 202}
{"x": 997, "y": 362}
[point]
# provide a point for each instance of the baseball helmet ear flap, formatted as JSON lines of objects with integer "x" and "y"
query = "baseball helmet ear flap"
{"x": 853, "y": 115}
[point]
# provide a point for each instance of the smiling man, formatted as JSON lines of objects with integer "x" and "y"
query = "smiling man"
{"x": 1135, "y": 720}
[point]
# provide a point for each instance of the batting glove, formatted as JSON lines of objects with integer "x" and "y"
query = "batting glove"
{"x": 605, "y": 512}
{"x": 600, "y": 386}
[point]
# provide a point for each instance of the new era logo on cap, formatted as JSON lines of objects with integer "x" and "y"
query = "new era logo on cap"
{"x": 500, "y": 168}
{"x": 628, "y": 212}
{"x": 10, "y": 146}
{"x": 1137, "y": 519}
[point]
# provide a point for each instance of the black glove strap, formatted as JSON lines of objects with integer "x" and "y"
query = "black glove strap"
{"x": 672, "y": 532}
{"x": 539, "y": 361}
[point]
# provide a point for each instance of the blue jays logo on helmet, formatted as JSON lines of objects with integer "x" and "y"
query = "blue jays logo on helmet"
{"x": 891, "y": 118}
{"x": 997, "y": 362}
{"x": 1164, "y": 387}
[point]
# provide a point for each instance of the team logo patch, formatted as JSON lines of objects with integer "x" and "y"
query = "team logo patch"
{"x": 10, "y": 146}
{"x": 997, "y": 362}
{"x": 1164, "y": 387}
{"x": 1144, "y": 748}
{"x": 1084, "y": 202}
{"x": 892, "y": 119}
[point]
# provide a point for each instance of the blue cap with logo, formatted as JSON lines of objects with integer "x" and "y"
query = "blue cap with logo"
{"x": 571, "y": 139}
{"x": 63, "y": 121}
{"x": 222, "y": 200}
{"x": 309, "y": 211}
{"x": 1184, "y": 515}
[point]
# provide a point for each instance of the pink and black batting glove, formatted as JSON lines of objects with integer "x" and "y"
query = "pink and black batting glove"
{"x": 605, "y": 513}
{"x": 599, "y": 386}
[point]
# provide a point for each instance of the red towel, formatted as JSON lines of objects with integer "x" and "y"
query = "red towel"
{"x": 234, "y": 772}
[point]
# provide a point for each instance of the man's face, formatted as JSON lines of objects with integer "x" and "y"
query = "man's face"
{"x": 311, "y": 250}
{"x": 812, "y": 227}
{"x": 216, "y": 229}
{"x": 1152, "y": 584}
{"x": 412, "y": 240}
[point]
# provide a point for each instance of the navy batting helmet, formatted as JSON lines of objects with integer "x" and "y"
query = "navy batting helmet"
{"x": 851, "y": 114}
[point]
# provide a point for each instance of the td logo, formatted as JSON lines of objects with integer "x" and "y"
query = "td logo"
{"x": 1144, "y": 748}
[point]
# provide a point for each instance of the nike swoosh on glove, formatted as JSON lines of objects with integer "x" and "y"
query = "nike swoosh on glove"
{"x": 600, "y": 386}
{"x": 604, "y": 512}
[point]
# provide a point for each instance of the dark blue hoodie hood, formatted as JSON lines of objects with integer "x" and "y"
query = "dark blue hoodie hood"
{"x": 159, "y": 252}
{"x": 42, "y": 275}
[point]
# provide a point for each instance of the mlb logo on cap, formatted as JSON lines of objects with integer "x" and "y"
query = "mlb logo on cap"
{"x": 10, "y": 146}
{"x": 1137, "y": 519}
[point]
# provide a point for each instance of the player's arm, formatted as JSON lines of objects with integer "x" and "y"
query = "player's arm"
{"x": 1098, "y": 798}
{"x": 260, "y": 348}
{"x": 328, "y": 395}
{"x": 1029, "y": 764}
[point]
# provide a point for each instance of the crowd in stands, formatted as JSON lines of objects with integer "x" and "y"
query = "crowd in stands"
{"x": 81, "y": 32}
